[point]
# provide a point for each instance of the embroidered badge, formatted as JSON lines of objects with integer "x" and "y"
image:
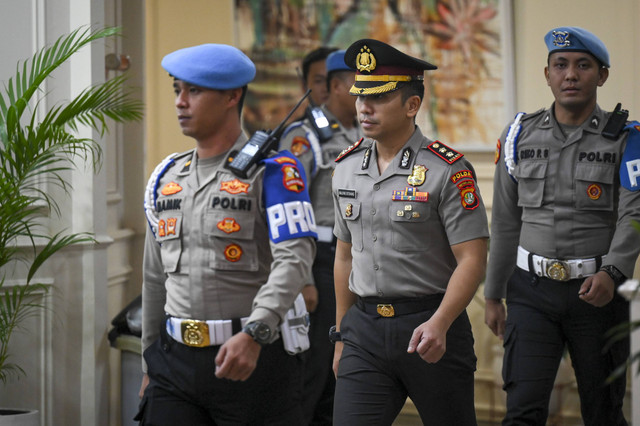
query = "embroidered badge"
{"x": 365, "y": 160}
{"x": 299, "y": 146}
{"x": 162, "y": 228}
{"x": 405, "y": 160}
{"x": 291, "y": 178}
{"x": 284, "y": 159}
{"x": 228, "y": 225}
{"x": 447, "y": 154}
{"x": 345, "y": 152}
{"x": 409, "y": 194}
{"x": 233, "y": 252}
{"x": 462, "y": 174}
{"x": 171, "y": 225}
{"x": 348, "y": 211}
{"x": 468, "y": 196}
{"x": 498, "y": 152}
{"x": 594, "y": 191}
{"x": 365, "y": 61}
{"x": 234, "y": 186}
{"x": 171, "y": 188}
{"x": 594, "y": 122}
{"x": 418, "y": 175}
{"x": 561, "y": 39}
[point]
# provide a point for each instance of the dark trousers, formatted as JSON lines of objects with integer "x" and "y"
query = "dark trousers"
{"x": 183, "y": 389}
{"x": 376, "y": 374}
{"x": 319, "y": 381}
{"x": 543, "y": 317}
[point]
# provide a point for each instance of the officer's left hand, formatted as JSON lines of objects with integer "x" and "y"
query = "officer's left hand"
{"x": 237, "y": 358}
{"x": 429, "y": 339}
{"x": 597, "y": 289}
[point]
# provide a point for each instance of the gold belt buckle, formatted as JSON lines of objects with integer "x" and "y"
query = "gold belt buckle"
{"x": 386, "y": 311}
{"x": 195, "y": 333}
{"x": 558, "y": 270}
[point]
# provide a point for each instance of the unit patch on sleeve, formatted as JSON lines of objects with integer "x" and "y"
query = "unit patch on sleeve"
{"x": 630, "y": 165}
{"x": 498, "y": 152}
{"x": 468, "y": 196}
{"x": 299, "y": 145}
{"x": 285, "y": 196}
{"x": 449, "y": 155}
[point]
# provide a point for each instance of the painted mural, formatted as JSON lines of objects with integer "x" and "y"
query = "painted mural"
{"x": 464, "y": 100}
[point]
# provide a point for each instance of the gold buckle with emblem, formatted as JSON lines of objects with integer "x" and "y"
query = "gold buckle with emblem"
{"x": 386, "y": 311}
{"x": 558, "y": 270}
{"x": 195, "y": 333}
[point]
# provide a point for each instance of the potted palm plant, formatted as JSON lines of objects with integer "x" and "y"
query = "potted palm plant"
{"x": 38, "y": 148}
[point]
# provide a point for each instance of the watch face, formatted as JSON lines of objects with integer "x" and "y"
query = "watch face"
{"x": 262, "y": 332}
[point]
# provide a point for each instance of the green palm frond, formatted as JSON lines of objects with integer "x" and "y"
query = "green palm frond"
{"x": 37, "y": 149}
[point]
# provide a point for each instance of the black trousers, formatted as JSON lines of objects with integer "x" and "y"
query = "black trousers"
{"x": 183, "y": 389}
{"x": 544, "y": 317}
{"x": 319, "y": 381}
{"x": 376, "y": 374}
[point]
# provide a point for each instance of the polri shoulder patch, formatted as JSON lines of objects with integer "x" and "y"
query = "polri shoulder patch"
{"x": 449, "y": 155}
{"x": 348, "y": 151}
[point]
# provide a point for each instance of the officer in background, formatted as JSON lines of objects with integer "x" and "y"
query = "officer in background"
{"x": 223, "y": 259}
{"x": 411, "y": 252}
{"x": 314, "y": 74}
{"x": 317, "y": 140}
{"x": 565, "y": 194}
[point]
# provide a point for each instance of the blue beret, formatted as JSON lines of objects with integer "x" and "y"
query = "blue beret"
{"x": 575, "y": 39}
{"x": 213, "y": 66}
{"x": 335, "y": 61}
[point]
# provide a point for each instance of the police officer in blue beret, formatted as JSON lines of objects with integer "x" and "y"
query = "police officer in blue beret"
{"x": 316, "y": 141}
{"x": 566, "y": 191}
{"x": 411, "y": 251}
{"x": 224, "y": 259}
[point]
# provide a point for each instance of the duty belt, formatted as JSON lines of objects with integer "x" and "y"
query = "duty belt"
{"x": 394, "y": 308}
{"x": 556, "y": 269}
{"x": 198, "y": 333}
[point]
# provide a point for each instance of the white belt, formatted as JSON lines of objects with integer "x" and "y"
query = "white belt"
{"x": 558, "y": 270}
{"x": 198, "y": 333}
{"x": 325, "y": 234}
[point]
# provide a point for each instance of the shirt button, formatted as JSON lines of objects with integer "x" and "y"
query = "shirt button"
{"x": 374, "y": 237}
{"x": 376, "y": 267}
{"x": 380, "y": 293}
{"x": 376, "y": 187}
{"x": 373, "y": 211}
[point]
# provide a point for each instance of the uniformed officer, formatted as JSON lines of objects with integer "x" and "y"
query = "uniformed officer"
{"x": 411, "y": 252}
{"x": 317, "y": 140}
{"x": 565, "y": 193}
{"x": 314, "y": 74}
{"x": 224, "y": 256}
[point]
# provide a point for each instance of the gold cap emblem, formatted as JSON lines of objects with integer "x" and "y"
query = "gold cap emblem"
{"x": 365, "y": 61}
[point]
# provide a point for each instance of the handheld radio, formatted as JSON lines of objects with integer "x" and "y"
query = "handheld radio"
{"x": 616, "y": 122}
{"x": 258, "y": 146}
{"x": 319, "y": 122}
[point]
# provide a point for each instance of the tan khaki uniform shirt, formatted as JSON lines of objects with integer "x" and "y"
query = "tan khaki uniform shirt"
{"x": 567, "y": 202}
{"x": 401, "y": 224}
{"x": 211, "y": 257}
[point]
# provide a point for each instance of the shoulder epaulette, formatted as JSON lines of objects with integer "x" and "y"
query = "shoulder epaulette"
{"x": 528, "y": 116}
{"x": 446, "y": 153}
{"x": 348, "y": 151}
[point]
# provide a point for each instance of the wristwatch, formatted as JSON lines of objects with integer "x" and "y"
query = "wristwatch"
{"x": 615, "y": 274}
{"x": 259, "y": 331}
{"x": 334, "y": 336}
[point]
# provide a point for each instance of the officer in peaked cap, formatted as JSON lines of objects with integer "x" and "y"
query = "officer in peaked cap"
{"x": 219, "y": 274}
{"x": 562, "y": 239}
{"x": 411, "y": 252}
{"x": 316, "y": 141}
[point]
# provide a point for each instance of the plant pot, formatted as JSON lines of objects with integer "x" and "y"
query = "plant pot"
{"x": 16, "y": 417}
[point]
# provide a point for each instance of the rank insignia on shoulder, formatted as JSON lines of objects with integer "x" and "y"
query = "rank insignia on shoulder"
{"x": 346, "y": 152}
{"x": 443, "y": 151}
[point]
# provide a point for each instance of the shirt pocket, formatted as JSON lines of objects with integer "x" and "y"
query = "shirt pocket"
{"x": 170, "y": 238}
{"x": 531, "y": 179}
{"x": 594, "y": 186}
{"x": 350, "y": 212}
{"x": 232, "y": 237}
{"x": 408, "y": 225}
